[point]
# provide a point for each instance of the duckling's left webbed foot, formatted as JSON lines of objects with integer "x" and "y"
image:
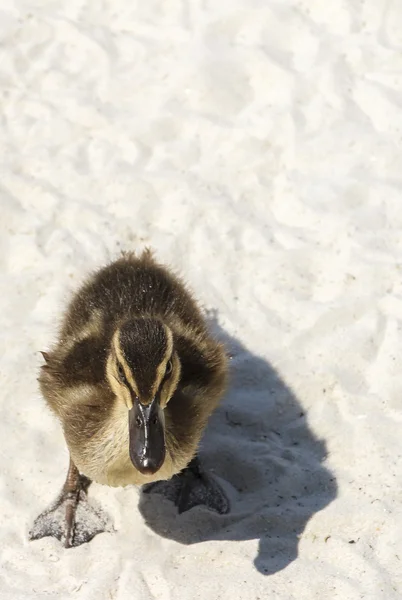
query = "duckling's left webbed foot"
{"x": 192, "y": 487}
{"x": 71, "y": 519}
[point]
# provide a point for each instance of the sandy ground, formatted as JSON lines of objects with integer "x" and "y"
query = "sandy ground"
{"x": 256, "y": 145}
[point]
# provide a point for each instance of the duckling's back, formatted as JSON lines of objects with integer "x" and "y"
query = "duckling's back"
{"x": 129, "y": 287}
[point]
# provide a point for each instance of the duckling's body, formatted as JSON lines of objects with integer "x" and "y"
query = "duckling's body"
{"x": 161, "y": 349}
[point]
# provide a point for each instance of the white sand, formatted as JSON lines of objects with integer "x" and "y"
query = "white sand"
{"x": 256, "y": 145}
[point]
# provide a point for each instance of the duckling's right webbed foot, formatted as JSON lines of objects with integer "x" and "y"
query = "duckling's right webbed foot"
{"x": 71, "y": 519}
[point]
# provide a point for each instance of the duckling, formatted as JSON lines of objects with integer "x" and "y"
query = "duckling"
{"x": 133, "y": 380}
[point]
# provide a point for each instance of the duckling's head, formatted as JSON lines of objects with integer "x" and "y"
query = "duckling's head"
{"x": 143, "y": 370}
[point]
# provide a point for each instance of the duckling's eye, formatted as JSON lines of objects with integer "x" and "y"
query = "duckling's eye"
{"x": 169, "y": 367}
{"x": 122, "y": 375}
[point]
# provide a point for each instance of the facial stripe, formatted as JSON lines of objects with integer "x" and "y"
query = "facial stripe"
{"x": 114, "y": 383}
{"x": 157, "y": 376}
{"x": 122, "y": 361}
{"x": 160, "y": 371}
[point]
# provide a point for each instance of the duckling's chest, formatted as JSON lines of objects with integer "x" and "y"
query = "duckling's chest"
{"x": 105, "y": 458}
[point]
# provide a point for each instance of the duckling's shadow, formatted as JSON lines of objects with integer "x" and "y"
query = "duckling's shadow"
{"x": 262, "y": 451}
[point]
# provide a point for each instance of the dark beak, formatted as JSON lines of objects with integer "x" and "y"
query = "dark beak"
{"x": 147, "y": 436}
